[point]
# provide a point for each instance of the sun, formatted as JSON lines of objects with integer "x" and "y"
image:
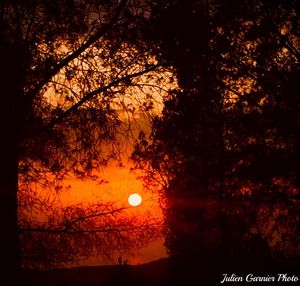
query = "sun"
{"x": 135, "y": 200}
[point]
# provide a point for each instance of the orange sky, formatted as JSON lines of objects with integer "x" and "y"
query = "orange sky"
{"x": 120, "y": 184}
{"x": 153, "y": 87}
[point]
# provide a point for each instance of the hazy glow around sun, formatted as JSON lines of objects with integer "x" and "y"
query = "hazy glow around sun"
{"x": 135, "y": 200}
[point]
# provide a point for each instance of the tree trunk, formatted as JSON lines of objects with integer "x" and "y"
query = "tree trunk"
{"x": 10, "y": 80}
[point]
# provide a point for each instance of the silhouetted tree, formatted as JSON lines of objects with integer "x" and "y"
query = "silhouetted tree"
{"x": 231, "y": 133}
{"x": 65, "y": 68}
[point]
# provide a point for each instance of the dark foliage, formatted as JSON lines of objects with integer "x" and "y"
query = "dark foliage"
{"x": 66, "y": 65}
{"x": 227, "y": 143}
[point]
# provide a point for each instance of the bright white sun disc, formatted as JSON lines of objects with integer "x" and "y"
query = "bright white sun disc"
{"x": 134, "y": 200}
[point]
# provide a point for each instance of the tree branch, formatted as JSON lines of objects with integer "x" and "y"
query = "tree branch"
{"x": 72, "y": 222}
{"x": 78, "y": 231}
{"x": 89, "y": 96}
{"x": 100, "y": 33}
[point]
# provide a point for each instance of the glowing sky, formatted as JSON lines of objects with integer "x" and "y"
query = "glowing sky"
{"x": 120, "y": 184}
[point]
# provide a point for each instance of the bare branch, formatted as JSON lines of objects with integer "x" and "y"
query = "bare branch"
{"x": 89, "y": 96}
{"x": 98, "y": 34}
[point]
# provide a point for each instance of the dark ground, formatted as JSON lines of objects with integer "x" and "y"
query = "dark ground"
{"x": 183, "y": 270}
